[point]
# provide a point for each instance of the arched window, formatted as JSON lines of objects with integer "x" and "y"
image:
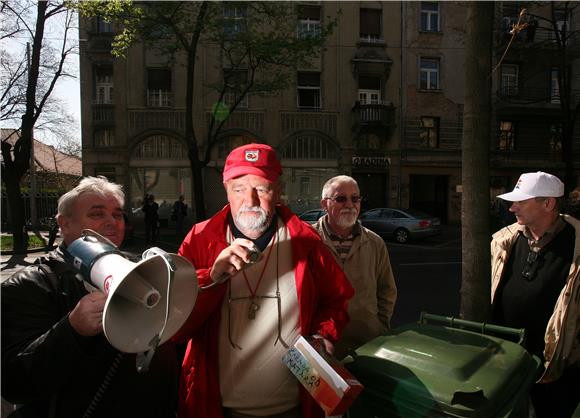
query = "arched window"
{"x": 309, "y": 146}
{"x": 227, "y": 144}
{"x": 160, "y": 146}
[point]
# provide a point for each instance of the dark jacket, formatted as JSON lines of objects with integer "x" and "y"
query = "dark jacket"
{"x": 46, "y": 364}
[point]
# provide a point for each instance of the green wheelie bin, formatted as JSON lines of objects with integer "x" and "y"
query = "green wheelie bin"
{"x": 442, "y": 367}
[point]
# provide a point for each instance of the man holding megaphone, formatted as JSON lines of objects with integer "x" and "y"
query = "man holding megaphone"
{"x": 266, "y": 278}
{"x": 56, "y": 362}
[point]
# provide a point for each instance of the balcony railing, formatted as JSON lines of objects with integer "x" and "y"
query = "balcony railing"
{"x": 103, "y": 113}
{"x": 534, "y": 95}
{"x": 159, "y": 98}
{"x": 377, "y": 114}
{"x": 543, "y": 36}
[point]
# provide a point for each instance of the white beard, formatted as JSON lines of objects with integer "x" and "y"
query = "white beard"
{"x": 252, "y": 223}
{"x": 347, "y": 219}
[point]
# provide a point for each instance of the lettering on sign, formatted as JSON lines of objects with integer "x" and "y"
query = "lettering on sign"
{"x": 382, "y": 162}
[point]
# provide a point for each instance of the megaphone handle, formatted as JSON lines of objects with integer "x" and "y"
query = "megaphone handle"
{"x": 153, "y": 251}
{"x": 144, "y": 359}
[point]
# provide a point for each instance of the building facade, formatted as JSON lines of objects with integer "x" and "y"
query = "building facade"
{"x": 382, "y": 102}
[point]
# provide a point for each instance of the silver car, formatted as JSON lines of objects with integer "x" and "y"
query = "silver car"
{"x": 401, "y": 224}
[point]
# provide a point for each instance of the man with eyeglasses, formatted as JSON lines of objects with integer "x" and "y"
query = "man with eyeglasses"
{"x": 268, "y": 279}
{"x": 364, "y": 257}
{"x": 535, "y": 286}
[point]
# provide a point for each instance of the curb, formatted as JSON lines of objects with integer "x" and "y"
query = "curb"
{"x": 31, "y": 251}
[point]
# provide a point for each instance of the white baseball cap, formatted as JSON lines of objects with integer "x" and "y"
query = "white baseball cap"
{"x": 531, "y": 185}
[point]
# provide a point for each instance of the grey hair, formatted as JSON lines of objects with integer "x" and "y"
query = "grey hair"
{"x": 338, "y": 179}
{"x": 99, "y": 185}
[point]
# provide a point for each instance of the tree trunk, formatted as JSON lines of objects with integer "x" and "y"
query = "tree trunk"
{"x": 190, "y": 138}
{"x": 15, "y": 165}
{"x": 475, "y": 225}
{"x": 16, "y": 213}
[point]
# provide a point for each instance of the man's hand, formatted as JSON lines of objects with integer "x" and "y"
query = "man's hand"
{"x": 87, "y": 317}
{"x": 238, "y": 256}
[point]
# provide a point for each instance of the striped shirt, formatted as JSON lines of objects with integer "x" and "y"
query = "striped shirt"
{"x": 342, "y": 245}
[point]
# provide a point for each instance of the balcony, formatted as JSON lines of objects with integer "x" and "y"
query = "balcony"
{"x": 159, "y": 98}
{"x": 533, "y": 97}
{"x": 100, "y": 42}
{"x": 539, "y": 38}
{"x": 103, "y": 113}
{"x": 378, "y": 115}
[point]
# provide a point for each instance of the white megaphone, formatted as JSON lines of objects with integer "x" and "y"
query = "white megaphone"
{"x": 147, "y": 302}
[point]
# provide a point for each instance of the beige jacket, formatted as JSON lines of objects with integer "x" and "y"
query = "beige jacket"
{"x": 368, "y": 269}
{"x": 562, "y": 337}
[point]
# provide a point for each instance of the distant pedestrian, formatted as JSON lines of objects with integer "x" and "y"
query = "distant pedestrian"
{"x": 178, "y": 214}
{"x": 150, "y": 209}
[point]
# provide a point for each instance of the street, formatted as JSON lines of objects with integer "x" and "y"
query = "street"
{"x": 428, "y": 276}
{"x": 427, "y": 272}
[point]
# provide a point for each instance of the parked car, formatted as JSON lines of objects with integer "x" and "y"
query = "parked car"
{"x": 401, "y": 224}
{"x": 313, "y": 215}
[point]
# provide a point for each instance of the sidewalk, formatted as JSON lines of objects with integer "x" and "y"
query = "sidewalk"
{"x": 10, "y": 263}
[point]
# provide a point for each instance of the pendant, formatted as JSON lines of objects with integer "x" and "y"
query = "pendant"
{"x": 252, "y": 310}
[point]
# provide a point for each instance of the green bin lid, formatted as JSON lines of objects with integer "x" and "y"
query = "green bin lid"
{"x": 444, "y": 371}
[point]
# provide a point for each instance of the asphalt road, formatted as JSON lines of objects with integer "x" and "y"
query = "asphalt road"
{"x": 428, "y": 277}
{"x": 427, "y": 272}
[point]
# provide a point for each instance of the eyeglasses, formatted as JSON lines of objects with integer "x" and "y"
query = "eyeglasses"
{"x": 342, "y": 199}
{"x": 533, "y": 262}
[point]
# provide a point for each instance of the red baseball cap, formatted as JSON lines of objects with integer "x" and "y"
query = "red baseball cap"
{"x": 257, "y": 159}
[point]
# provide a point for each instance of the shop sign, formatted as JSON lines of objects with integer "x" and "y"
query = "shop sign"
{"x": 382, "y": 162}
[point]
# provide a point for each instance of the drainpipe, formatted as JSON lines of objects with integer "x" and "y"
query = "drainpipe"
{"x": 402, "y": 106}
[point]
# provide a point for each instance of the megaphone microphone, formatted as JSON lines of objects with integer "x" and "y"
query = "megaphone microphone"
{"x": 147, "y": 302}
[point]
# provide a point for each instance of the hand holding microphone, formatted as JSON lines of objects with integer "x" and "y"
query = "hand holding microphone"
{"x": 241, "y": 254}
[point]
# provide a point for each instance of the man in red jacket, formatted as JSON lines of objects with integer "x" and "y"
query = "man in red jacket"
{"x": 274, "y": 281}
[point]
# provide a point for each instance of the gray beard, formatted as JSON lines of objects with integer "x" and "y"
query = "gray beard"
{"x": 251, "y": 223}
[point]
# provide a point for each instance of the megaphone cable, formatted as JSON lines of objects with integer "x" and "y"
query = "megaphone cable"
{"x": 104, "y": 385}
{"x": 144, "y": 359}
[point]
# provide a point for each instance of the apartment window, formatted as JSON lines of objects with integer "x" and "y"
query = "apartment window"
{"x": 507, "y": 136}
{"x": 102, "y": 26}
{"x": 555, "y": 140}
{"x": 369, "y": 90}
{"x": 308, "y": 21}
{"x": 231, "y": 142}
{"x": 159, "y": 93}
{"x": 562, "y": 24}
{"x": 554, "y": 86}
{"x": 429, "y": 132}
{"x": 104, "y": 138}
{"x": 429, "y": 73}
{"x": 509, "y": 80}
{"x": 309, "y": 146}
{"x": 234, "y": 84}
{"x": 304, "y": 186}
{"x": 308, "y": 85}
{"x": 108, "y": 172}
{"x": 104, "y": 86}
{"x": 368, "y": 141}
{"x": 235, "y": 18}
{"x": 430, "y": 16}
{"x": 159, "y": 146}
{"x": 370, "y": 25}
